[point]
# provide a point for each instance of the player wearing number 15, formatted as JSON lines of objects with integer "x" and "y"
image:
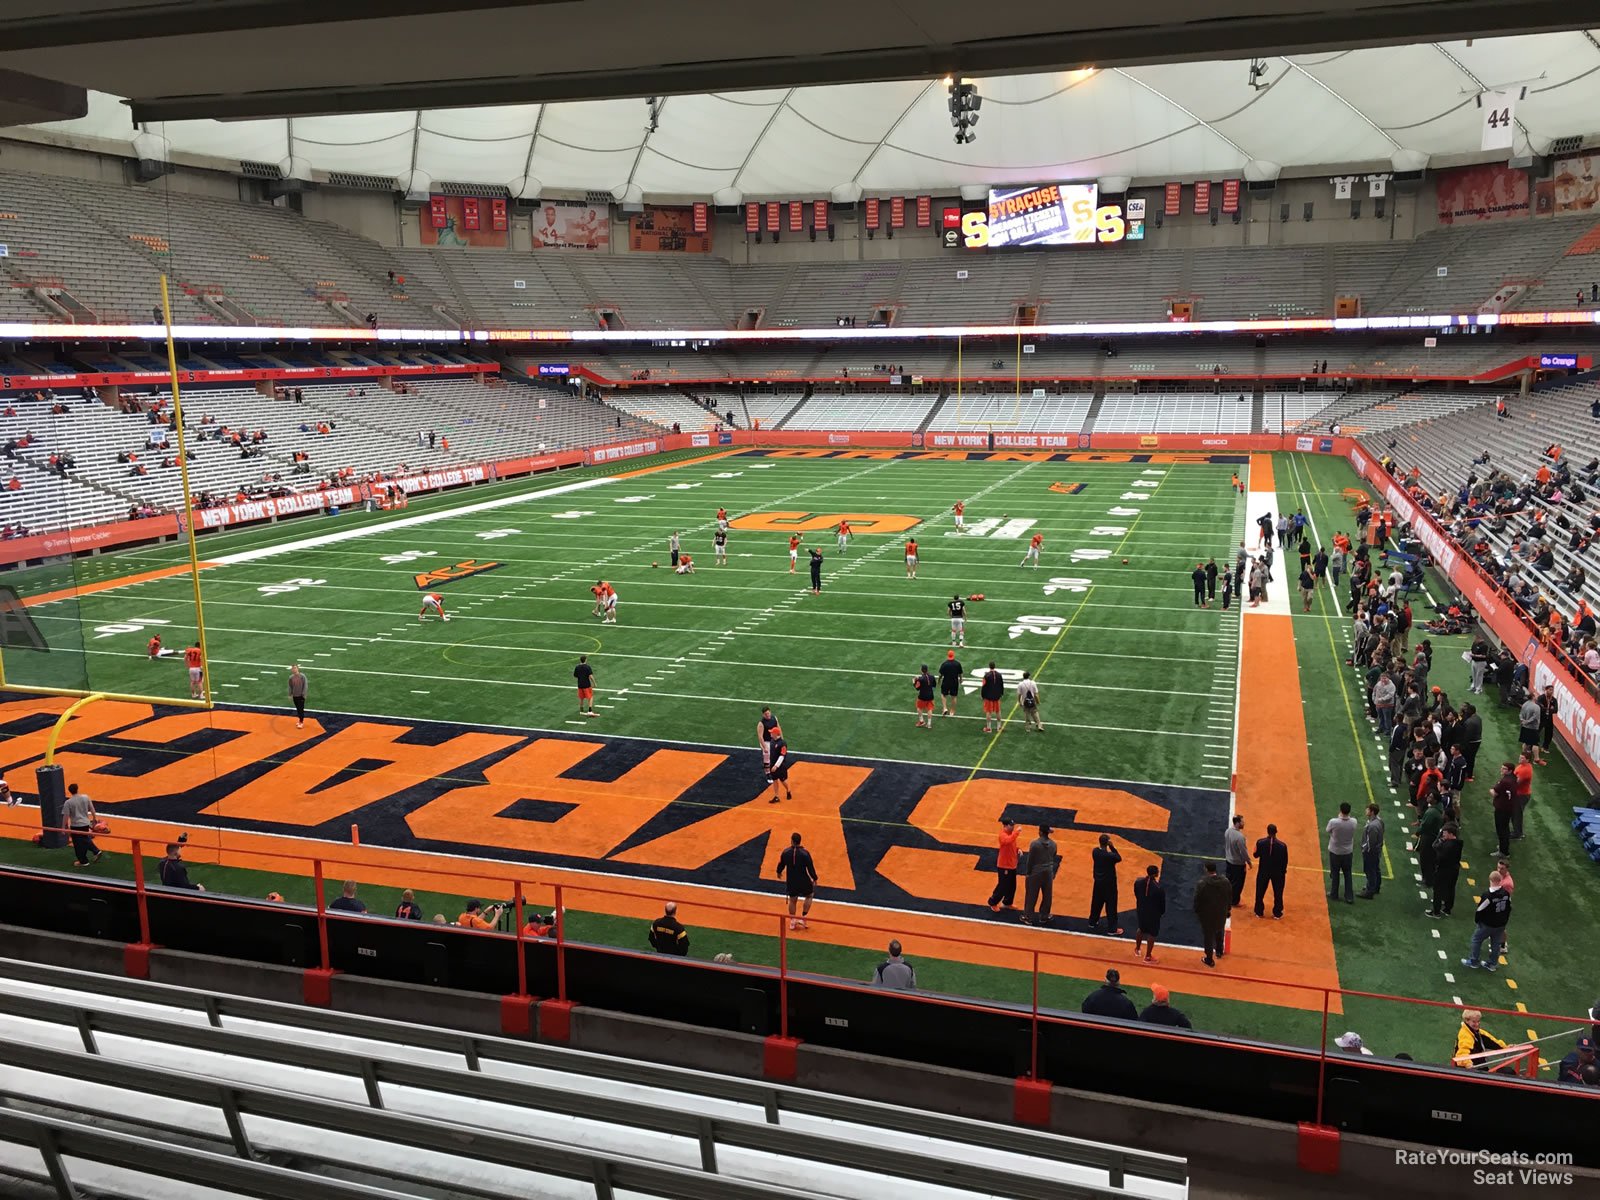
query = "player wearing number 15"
{"x": 958, "y": 621}
{"x": 195, "y": 661}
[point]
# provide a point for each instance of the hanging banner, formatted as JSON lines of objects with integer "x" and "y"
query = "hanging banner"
{"x": 457, "y": 222}
{"x": 819, "y": 215}
{"x": 774, "y": 216}
{"x": 752, "y": 217}
{"x": 897, "y": 212}
{"x": 1202, "y": 196}
{"x": 1491, "y": 192}
{"x": 702, "y": 217}
{"x": 497, "y": 214}
{"x": 924, "y": 211}
{"x": 1577, "y": 184}
{"x": 572, "y": 227}
{"x": 667, "y": 230}
{"x": 1377, "y": 185}
{"x": 872, "y": 212}
{"x": 1497, "y": 112}
{"x": 1342, "y": 185}
{"x": 1174, "y": 199}
{"x": 797, "y": 217}
{"x": 1230, "y": 195}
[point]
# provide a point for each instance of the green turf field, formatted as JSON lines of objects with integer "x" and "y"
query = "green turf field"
{"x": 691, "y": 658}
{"x": 1138, "y": 685}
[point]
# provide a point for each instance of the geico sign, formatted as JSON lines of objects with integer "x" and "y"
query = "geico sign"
{"x": 1109, "y": 226}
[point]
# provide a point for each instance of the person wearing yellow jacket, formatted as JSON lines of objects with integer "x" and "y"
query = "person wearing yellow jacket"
{"x": 1473, "y": 1039}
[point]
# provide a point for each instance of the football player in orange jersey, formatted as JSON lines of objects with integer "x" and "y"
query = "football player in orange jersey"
{"x": 197, "y": 671}
{"x": 1033, "y": 550}
{"x": 435, "y": 602}
{"x": 911, "y": 558}
{"x": 794, "y": 551}
{"x": 960, "y": 510}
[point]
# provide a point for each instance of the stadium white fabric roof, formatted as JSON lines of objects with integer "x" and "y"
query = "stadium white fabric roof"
{"x": 1400, "y": 106}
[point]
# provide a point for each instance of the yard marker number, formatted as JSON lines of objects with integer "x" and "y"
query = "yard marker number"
{"x": 289, "y": 585}
{"x": 1066, "y": 583}
{"x": 406, "y": 556}
{"x": 1036, "y": 624}
{"x": 133, "y": 625}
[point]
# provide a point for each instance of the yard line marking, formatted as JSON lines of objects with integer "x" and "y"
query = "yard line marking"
{"x": 420, "y": 692}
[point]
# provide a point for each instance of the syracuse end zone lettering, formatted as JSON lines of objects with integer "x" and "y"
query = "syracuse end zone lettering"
{"x": 694, "y": 814}
{"x": 452, "y": 573}
{"x": 805, "y": 522}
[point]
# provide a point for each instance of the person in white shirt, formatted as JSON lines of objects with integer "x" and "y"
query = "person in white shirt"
{"x": 1028, "y": 698}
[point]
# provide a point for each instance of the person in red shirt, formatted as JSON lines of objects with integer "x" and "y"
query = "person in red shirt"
{"x": 794, "y": 551}
{"x": 1523, "y": 794}
{"x": 154, "y": 648}
{"x": 197, "y": 671}
{"x": 1034, "y": 546}
{"x": 911, "y": 558}
{"x": 960, "y": 510}
{"x": 844, "y": 534}
{"x": 599, "y": 593}
{"x": 435, "y": 602}
{"x": 1004, "y": 895}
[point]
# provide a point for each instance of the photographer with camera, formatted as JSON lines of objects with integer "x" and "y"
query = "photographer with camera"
{"x": 477, "y": 916}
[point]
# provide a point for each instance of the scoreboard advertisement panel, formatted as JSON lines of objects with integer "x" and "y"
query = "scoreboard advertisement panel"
{"x": 1053, "y": 214}
{"x": 1046, "y": 214}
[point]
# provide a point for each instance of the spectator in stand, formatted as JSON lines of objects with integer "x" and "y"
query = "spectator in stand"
{"x": 1579, "y": 1066}
{"x": 408, "y": 909}
{"x": 1161, "y": 1012}
{"x": 1109, "y": 1000}
{"x": 174, "y": 872}
{"x": 894, "y": 973}
{"x": 667, "y": 934}
{"x": 475, "y": 916}
{"x": 1475, "y": 1045}
{"x": 347, "y": 900}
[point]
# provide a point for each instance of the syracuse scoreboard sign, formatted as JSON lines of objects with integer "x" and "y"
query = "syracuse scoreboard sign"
{"x": 1051, "y": 214}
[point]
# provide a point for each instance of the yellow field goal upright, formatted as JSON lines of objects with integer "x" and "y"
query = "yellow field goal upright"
{"x": 988, "y": 413}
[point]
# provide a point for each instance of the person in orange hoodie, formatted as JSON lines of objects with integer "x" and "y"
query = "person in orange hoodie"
{"x": 1004, "y": 896}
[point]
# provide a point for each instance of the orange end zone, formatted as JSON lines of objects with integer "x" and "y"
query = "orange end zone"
{"x": 1261, "y": 476}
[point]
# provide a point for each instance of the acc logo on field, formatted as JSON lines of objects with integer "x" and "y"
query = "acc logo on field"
{"x": 450, "y": 574}
{"x": 807, "y": 522}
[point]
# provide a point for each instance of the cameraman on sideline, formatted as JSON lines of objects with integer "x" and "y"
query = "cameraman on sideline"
{"x": 478, "y": 917}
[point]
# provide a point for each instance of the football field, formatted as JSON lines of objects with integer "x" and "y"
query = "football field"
{"x": 1137, "y": 683}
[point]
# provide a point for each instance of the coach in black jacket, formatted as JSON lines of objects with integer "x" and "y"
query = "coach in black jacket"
{"x": 667, "y": 934}
{"x": 1273, "y": 855}
{"x": 1109, "y": 1000}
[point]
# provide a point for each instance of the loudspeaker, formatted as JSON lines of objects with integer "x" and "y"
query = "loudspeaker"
{"x": 753, "y": 1012}
{"x": 435, "y": 965}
